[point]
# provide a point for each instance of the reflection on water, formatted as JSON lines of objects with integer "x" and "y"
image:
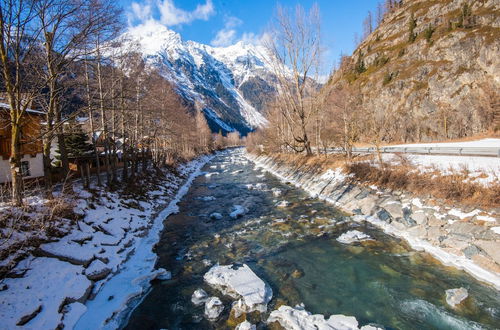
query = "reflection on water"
{"x": 294, "y": 248}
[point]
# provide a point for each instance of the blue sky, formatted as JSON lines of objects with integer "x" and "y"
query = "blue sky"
{"x": 223, "y": 22}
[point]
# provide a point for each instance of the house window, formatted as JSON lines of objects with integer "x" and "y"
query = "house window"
{"x": 25, "y": 169}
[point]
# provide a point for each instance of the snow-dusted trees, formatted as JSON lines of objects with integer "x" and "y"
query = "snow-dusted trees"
{"x": 295, "y": 50}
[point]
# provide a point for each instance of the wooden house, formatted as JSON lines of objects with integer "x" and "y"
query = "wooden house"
{"x": 31, "y": 144}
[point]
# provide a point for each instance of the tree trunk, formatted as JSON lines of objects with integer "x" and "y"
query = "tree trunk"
{"x": 15, "y": 166}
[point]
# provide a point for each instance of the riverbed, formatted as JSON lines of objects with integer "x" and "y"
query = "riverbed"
{"x": 235, "y": 213}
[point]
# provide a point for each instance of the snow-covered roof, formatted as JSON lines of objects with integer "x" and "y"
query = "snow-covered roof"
{"x": 5, "y": 106}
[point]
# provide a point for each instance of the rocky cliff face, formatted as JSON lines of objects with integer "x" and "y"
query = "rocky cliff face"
{"x": 228, "y": 82}
{"x": 432, "y": 67}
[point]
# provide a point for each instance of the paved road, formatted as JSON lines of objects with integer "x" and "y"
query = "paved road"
{"x": 455, "y": 151}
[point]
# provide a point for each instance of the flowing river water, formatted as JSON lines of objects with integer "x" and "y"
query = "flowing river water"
{"x": 294, "y": 249}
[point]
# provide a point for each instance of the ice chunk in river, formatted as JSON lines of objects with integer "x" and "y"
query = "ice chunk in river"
{"x": 299, "y": 319}
{"x": 245, "y": 325}
{"x": 455, "y": 296}
{"x": 353, "y": 236}
{"x": 238, "y": 211}
{"x": 216, "y": 216}
{"x": 199, "y": 297}
{"x": 240, "y": 282}
{"x": 213, "y": 308}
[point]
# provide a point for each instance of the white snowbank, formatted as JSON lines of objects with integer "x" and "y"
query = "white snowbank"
{"x": 299, "y": 319}
{"x": 353, "y": 236}
{"x": 483, "y": 170}
{"x": 240, "y": 282}
{"x": 112, "y": 303}
{"x": 46, "y": 283}
{"x": 483, "y": 143}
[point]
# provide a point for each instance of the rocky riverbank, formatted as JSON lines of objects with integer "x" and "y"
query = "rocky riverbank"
{"x": 86, "y": 278}
{"x": 465, "y": 238}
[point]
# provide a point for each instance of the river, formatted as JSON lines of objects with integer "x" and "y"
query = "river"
{"x": 290, "y": 241}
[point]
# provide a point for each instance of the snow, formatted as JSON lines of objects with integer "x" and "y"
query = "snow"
{"x": 483, "y": 170}
{"x": 238, "y": 211}
{"x": 283, "y": 204}
{"x": 240, "y": 282}
{"x": 483, "y": 143}
{"x": 496, "y": 230}
{"x": 455, "y": 296}
{"x": 460, "y": 262}
{"x": 163, "y": 274}
{"x": 199, "y": 297}
{"x": 299, "y": 319}
{"x": 245, "y": 325}
{"x": 120, "y": 293}
{"x": 164, "y": 49}
{"x": 213, "y": 308}
{"x": 216, "y": 216}
{"x": 353, "y": 236}
{"x": 46, "y": 284}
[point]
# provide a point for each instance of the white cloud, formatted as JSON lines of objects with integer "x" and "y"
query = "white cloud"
{"x": 170, "y": 15}
{"x": 141, "y": 12}
{"x": 227, "y": 35}
{"x": 255, "y": 39}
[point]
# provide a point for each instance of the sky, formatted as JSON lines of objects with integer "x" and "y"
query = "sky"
{"x": 225, "y": 22}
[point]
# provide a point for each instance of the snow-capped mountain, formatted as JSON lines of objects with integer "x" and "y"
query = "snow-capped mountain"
{"x": 230, "y": 83}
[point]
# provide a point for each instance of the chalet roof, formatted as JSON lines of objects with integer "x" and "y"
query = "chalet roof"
{"x": 6, "y": 107}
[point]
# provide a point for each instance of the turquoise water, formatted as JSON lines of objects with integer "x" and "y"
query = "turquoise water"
{"x": 295, "y": 250}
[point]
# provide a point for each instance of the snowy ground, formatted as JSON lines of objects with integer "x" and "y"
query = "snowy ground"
{"x": 87, "y": 278}
{"x": 483, "y": 143}
{"x": 483, "y": 170}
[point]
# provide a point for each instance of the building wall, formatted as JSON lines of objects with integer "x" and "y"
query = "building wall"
{"x": 35, "y": 167}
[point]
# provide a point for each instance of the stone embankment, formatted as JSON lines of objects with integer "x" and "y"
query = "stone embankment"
{"x": 465, "y": 238}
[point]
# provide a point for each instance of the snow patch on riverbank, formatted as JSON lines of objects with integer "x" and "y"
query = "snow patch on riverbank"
{"x": 353, "y": 236}
{"x": 111, "y": 306}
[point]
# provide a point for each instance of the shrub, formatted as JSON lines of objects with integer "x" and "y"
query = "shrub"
{"x": 428, "y": 34}
{"x": 412, "y": 24}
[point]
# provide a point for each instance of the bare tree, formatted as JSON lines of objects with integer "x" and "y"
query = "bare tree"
{"x": 344, "y": 106}
{"x": 17, "y": 47}
{"x": 367, "y": 25}
{"x": 295, "y": 51}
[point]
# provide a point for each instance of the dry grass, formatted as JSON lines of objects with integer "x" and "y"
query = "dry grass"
{"x": 403, "y": 176}
{"x": 452, "y": 188}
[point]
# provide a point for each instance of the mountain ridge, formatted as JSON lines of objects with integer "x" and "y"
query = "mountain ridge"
{"x": 223, "y": 82}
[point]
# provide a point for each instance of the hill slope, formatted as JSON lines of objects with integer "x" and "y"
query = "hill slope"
{"x": 432, "y": 67}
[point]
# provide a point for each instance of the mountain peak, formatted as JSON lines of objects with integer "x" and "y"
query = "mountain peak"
{"x": 153, "y": 37}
